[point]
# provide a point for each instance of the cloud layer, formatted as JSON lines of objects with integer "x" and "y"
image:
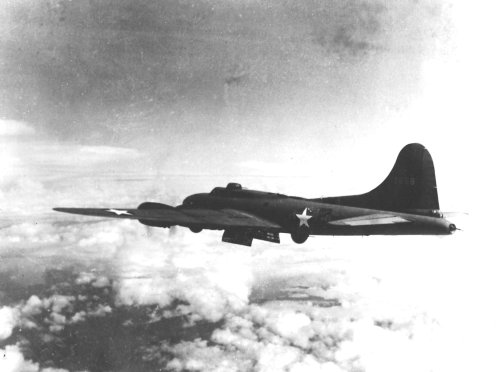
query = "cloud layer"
{"x": 342, "y": 305}
{"x": 336, "y": 304}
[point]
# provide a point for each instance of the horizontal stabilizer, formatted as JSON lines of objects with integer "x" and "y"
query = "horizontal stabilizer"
{"x": 373, "y": 219}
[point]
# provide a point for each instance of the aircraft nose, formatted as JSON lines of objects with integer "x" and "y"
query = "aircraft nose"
{"x": 452, "y": 228}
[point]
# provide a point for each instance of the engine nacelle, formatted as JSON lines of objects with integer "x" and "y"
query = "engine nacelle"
{"x": 300, "y": 235}
{"x": 151, "y": 205}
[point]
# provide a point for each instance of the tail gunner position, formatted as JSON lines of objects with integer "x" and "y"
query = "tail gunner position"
{"x": 405, "y": 203}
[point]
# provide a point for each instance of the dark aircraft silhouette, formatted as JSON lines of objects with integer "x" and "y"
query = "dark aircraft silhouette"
{"x": 406, "y": 203}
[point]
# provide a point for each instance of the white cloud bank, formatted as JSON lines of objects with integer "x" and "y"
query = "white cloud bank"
{"x": 14, "y": 128}
{"x": 158, "y": 269}
{"x": 12, "y": 360}
{"x": 299, "y": 336}
{"x": 9, "y": 317}
{"x": 341, "y": 304}
{"x": 378, "y": 304}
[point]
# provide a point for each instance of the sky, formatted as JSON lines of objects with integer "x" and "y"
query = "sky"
{"x": 227, "y": 88}
{"x": 111, "y": 103}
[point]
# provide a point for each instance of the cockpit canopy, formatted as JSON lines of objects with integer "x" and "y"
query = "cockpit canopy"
{"x": 232, "y": 186}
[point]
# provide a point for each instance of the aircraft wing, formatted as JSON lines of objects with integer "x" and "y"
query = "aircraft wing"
{"x": 371, "y": 219}
{"x": 189, "y": 217}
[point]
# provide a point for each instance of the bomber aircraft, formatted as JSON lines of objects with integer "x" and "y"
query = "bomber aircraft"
{"x": 405, "y": 203}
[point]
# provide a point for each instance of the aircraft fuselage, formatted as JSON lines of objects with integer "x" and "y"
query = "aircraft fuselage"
{"x": 283, "y": 210}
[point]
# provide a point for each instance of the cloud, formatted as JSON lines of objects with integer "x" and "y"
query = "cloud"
{"x": 9, "y": 318}
{"x": 33, "y": 306}
{"x": 350, "y": 27}
{"x": 347, "y": 29}
{"x": 12, "y": 360}
{"x": 159, "y": 269}
{"x": 57, "y": 311}
{"x": 91, "y": 278}
{"x": 11, "y": 132}
{"x": 256, "y": 355}
{"x": 100, "y": 310}
{"x": 328, "y": 305}
{"x": 12, "y": 128}
{"x": 283, "y": 336}
{"x": 58, "y": 302}
{"x": 85, "y": 278}
{"x": 39, "y": 173}
{"x": 55, "y": 155}
{"x": 198, "y": 356}
{"x": 345, "y": 309}
{"x": 310, "y": 364}
{"x": 286, "y": 307}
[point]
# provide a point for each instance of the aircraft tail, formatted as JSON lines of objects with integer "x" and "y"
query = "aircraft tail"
{"x": 409, "y": 187}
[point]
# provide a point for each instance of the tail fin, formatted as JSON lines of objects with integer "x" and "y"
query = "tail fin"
{"x": 410, "y": 186}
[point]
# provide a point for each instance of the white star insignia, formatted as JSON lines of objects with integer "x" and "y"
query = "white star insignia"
{"x": 303, "y": 218}
{"x": 118, "y": 212}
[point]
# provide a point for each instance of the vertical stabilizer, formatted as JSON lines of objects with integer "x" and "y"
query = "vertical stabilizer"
{"x": 410, "y": 186}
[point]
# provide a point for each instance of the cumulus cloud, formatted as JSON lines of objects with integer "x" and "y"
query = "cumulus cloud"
{"x": 198, "y": 356}
{"x": 33, "y": 306}
{"x": 331, "y": 313}
{"x": 100, "y": 310}
{"x": 283, "y": 336}
{"x": 277, "y": 308}
{"x": 159, "y": 269}
{"x": 56, "y": 311}
{"x": 13, "y": 360}
{"x": 91, "y": 278}
{"x": 58, "y": 302}
{"x": 9, "y": 318}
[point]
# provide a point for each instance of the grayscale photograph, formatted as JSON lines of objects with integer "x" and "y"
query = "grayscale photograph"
{"x": 248, "y": 186}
